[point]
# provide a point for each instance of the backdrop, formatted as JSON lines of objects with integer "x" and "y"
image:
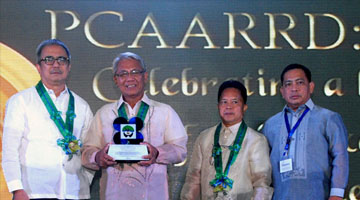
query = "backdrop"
{"x": 190, "y": 48}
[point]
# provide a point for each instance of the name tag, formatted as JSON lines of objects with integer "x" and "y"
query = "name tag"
{"x": 286, "y": 165}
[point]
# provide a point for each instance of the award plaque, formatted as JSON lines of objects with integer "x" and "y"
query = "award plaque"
{"x": 127, "y": 139}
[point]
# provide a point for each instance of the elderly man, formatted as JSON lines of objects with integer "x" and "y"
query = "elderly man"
{"x": 229, "y": 160}
{"x": 43, "y": 129}
{"x": 163, "y": 132}
{"x": 308, "y": 143}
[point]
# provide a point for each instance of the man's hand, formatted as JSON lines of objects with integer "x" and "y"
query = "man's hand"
{"x": 335, "y": 198}
{"x": 153, "y": 154}
{"x": 20, "y": 195}
{"x": 103, "y": 159}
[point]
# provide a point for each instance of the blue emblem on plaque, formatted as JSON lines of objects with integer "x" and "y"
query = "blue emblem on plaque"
{"x": 128, "y": 132}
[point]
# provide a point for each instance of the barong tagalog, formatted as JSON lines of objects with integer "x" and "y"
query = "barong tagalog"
{"x": 222, "y": 183}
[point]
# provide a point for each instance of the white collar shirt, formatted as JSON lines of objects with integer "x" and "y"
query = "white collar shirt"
{"x": 31, "y": 157}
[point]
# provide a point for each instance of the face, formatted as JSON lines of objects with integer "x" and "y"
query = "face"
{"x": 132, "y": 84}
{"x": 53, "y": 74}
{"x": 231, "y": 107}
{"x": 296, "y": 88}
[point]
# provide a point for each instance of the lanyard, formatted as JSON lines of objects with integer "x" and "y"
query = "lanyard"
{"x": 70, "y": 144}
{"x": 141, "y": 113}
{"x": 64, "y": 128}
{"x": 292, "y": 131}
{"x": 222, "y": 182}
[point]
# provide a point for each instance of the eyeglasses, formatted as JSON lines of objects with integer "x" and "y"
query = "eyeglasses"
{"x": 134, "y": 73}
{"x": 50, "y": 60}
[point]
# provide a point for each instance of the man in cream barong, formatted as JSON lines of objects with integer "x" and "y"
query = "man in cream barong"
{"x": 163, "y": 133}
{"x": 229, "y": 160}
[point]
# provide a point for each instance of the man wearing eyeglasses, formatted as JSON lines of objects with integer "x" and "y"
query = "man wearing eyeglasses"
{"x": 43, "y": 130}
{"x": 163, "y": 132}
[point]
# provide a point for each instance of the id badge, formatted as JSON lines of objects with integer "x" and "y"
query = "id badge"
{"x": 286, "y": 165}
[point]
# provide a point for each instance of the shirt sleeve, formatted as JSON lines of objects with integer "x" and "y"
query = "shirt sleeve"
{"x": 93, "y": 142}
{"x": 192, "y": 187}
{"x": 14, "y": 128}
{"x": 260, "y": 167}
{"x": 84, "y": 131}
{"x": 338, "y": 143}
{"x": 175, "y": 138}
{"x": 267, "y": 133}
{"x": 87, "y": 123}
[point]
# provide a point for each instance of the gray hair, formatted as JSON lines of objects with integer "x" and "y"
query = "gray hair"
{"x": 128, "y": 55}
{"x": 49, "y": 43}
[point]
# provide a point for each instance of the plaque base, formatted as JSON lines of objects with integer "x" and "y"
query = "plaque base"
{"x": 128, "y": 152}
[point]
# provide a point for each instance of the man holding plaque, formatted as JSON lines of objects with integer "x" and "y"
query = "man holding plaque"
{"x": 43, "y": 130}
{"x": 308, "y": 143}
{"x": 122, "y": 129}
{"x": 229, "y": 160}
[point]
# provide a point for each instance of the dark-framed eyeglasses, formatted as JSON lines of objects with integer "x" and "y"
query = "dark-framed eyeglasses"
{"x": 134, "y": 73}
{"x": 50, "y": 60}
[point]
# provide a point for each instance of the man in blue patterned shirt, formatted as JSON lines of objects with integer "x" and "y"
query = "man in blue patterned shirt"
{"x": 308, "y": 143}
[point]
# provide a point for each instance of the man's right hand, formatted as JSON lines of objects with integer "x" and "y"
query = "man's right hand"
{"x": 103, "y": 159}
{"x": 20, "y": 195}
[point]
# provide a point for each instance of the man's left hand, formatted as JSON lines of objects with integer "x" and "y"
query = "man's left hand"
{"x": 153, "y": 154}
{"x": 335, "y": 198}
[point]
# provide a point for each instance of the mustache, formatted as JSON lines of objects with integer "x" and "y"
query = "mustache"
{"x": 56, "y": 71}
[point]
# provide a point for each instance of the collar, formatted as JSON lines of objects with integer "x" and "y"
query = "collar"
{"x": 51, "y": 92}
{"x": 310, "y": 104}
{"x": 145, "y": 99}
{"x": 234, "y": 128}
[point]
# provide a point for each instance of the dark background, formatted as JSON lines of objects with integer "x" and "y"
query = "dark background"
{"x": 24, "y": 24}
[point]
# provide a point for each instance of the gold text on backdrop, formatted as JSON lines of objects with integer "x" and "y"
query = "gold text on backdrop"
{"x": 334, "y": 83}
{"x": 203, "y": 32}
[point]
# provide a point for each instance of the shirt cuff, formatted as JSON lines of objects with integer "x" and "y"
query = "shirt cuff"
{"x": 92, "y": 158}
{"x": 14, "y": 185}
{"x": 160, "y": 159}
{"x": 337, "y": 192}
